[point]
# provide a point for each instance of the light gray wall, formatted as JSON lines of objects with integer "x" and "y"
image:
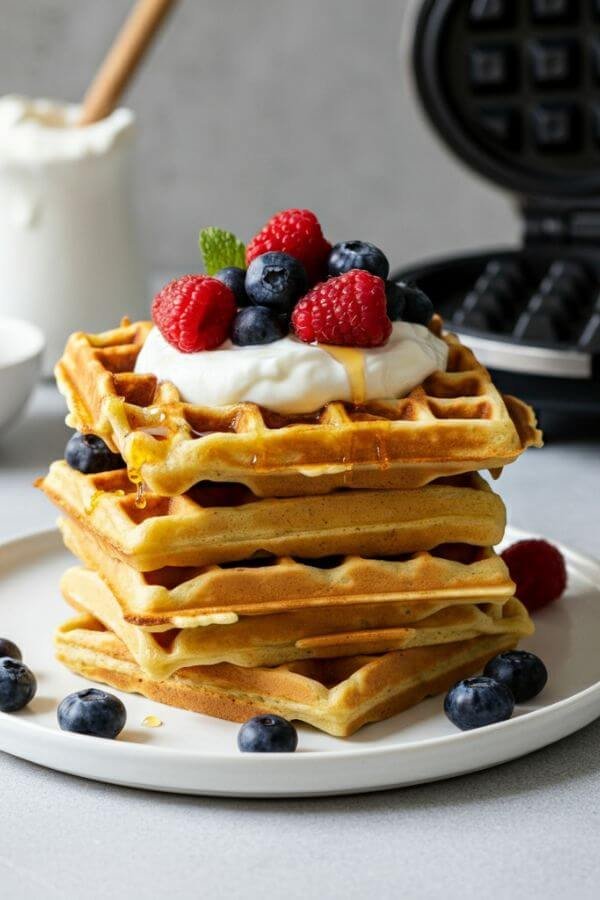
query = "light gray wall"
{"x": 248, "y": 106}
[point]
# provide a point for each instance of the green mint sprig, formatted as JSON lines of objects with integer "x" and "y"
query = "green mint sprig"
{"x": 219, "y": 249}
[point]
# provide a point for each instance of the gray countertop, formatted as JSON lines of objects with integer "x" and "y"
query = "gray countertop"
{"x": 528, "y": 828}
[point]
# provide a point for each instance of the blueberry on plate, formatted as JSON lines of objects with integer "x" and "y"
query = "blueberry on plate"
{"x": 276, "y": 280}
{"x": 7, "y": 648}
{"x": 395, "y": 301}
{"x": 257, "y": 325}
{"x": 89, "y": 454}
{"x": 267, "y": 734}
{"x": 523, "y": 673}
{"x": 235, "y": 279}
{"x": 17, "y": 684}
{"x": 357, "y": 255}
{"x": 418, "y": 308}
{"x": 478, "y": 701}
{"x": 93, "y": 712}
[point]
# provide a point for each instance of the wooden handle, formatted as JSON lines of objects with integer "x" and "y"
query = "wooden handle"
{"x": 123, "y": 58}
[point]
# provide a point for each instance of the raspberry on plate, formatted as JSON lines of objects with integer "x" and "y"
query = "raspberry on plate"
{"x": 349, "y": 310}
{"x": 538, "y": 570}
{"x": 194, "y": 312}
{"x": 296, "y": 232}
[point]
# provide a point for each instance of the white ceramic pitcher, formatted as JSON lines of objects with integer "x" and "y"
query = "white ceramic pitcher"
{"x": 69, "y": 256}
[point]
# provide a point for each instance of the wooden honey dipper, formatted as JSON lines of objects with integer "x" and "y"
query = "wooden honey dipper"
{"x": 123, "y": 59}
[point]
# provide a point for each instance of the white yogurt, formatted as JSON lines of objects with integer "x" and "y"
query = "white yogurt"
{"x": 69, "y": 258}
{"x": 291, "y": 377}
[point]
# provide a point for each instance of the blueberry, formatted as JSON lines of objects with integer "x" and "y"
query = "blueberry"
{"x": 17, "y": 684}
{"x": 267, "y": 734}
{"x": 7, "y": 648}
{"x": 276, "y": 280}
{"x": 478, "y": 701}
{"x": 257, "y": 325}
{"x": 394, "y": 300}
{"x": 92, "y": 711}
{"x": 89, "y": 454}
{"x": 523, "y": 673}
{"x": 235, "y": 279}
{"x": 358, "y": 255}
{"x": 418, "y": 308}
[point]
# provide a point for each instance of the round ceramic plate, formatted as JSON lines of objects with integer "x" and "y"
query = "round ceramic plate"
{"x": 191, "y": 753}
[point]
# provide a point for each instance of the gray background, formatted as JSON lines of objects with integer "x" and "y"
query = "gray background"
{"x": 249, "y": 106}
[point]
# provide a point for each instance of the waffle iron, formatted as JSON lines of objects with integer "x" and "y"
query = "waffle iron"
{"x": 513, "y": 89}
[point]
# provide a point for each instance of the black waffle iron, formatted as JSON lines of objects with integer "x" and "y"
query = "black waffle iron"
{"x": 513, "y": 88}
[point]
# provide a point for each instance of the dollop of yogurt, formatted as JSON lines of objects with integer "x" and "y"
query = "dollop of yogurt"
{"x": 291, "y": 377}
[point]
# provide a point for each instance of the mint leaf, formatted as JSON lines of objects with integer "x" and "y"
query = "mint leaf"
{"x": 219, "y": 249}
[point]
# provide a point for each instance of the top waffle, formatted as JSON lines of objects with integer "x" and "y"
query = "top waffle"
{"x": 455, "y": 422}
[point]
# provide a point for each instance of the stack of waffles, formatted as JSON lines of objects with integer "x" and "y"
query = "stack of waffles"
{"x": 333, "y": 568}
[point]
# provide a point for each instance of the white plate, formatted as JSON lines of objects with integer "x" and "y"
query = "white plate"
{"x": 195, "y": 754}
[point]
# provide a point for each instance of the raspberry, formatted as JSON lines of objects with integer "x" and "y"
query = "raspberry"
{"x": 538, "y": 570}
{"x": 194, "y": 312}
{"x": 298, "y": 233}
{"x": 349, "y": 310}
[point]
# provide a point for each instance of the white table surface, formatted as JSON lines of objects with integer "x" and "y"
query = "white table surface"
{"x": 530, "y": 828}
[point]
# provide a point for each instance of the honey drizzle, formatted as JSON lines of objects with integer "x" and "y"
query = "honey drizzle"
{"x": 382, "y": 454}
{"x": 258, "y": 458}
{"x": 138, "y": 458}
{"x": 93, "y": 502}
{"x": 353, "y": 361}
{"x": 158, "y": 414}
{"x": 152, "y": 722}
{"x": 95, "y": 499}
{"x": 140, "y": 497}
{"x": 348, "y": 467}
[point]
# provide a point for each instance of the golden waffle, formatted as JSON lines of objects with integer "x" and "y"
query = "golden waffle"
{"x": 198, "y": 529}
{"x": 456, "y": 421}
{"x": 186, "y": 597}
{"x": 322, "y": 632}
{"x": 336, "y": 695}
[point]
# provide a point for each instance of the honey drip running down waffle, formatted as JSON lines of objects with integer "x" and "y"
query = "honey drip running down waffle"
{"x": 353, "y": 362}
{"x": 455, "y": 422}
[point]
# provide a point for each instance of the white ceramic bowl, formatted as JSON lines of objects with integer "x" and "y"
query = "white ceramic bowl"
{"x": 21, "y": 349}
